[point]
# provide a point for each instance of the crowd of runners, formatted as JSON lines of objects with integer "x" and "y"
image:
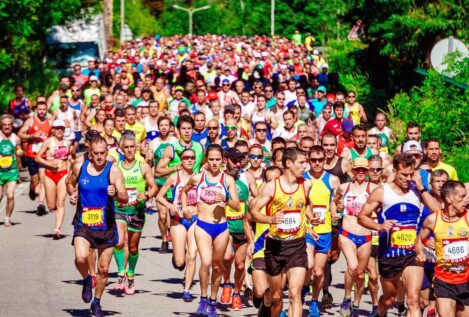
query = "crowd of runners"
{"x": 257, "y": 162}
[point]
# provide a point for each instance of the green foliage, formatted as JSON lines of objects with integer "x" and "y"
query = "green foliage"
{"x": 23, "y": 30}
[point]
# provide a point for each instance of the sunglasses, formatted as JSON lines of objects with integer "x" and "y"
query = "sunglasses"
{"x": 226, "y": 85}
{"x": 317, "y": 160}
{"x": 212, "y": 128}
{"x": 230, "y": 127}
{"x": 188, "y": 157}
{"x": 256, "y": 157}
{"x": 350, "y": 96}
{"x": 376, "y": 169}
{"x": 261, "y": 130}
{"x": 361, "y": 170}
{"x": 268, "y": 90}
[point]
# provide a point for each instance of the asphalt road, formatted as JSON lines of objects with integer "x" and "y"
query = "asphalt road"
{"x": 38, "y": 275}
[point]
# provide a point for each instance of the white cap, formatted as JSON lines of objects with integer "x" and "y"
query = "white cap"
{"x": 325, "y": 65}
{"x": 93, "y": 77}
{"x": 315, "y": 52}
{"x": 412, "y": 146}
{"x": 283, "y": 66}
{"x": 58, "y": 124}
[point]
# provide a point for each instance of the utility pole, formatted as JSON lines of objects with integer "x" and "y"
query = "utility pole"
{"x": 190, "y": 11}
{"x": 122, "y": 21}
{"x": 272, "y": 19}
{"x": 108, "y": 4}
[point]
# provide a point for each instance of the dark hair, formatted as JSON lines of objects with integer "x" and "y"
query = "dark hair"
{"x": 317, "y": 149}
{"x": 449, "y": 187}
{"x": 268, "y": 170}
{"x": 185, "y": 119}
{"x": 119, "y": 113}
{"x": 108, "y": 119}
{"x": 240, "y": 143}
{"x": 214, "y": 148}
{"x": 431, "y": 140}
{"x": 411, "y": 125}
{"x": 161, "y": 119}
{"x": 306, "y": 138}
{"x": 375, "y": 158}
{"x": 338, "y": 104}
{"x": 199, "y": 113}
{"x": 278, "y": 140}
{"x": 404, "y": 160}
{"x": 295, "y": 144}
{"x": 130, "y": 108}
{"x": 259, "y": 123}
{"x": 97, "y": 139}
{"x": 438, "y": 173}
{"x": 360, "y": 127}
{"x": 186, "y": 150}
{"x": 289, "y": 112}
{"x": 291, "y": 154}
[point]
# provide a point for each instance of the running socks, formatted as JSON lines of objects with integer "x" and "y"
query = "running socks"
{"x": 257, "y": 301}
{"x": 133, "y": 258}
{"x": 120, "y": 256}
{"x": 96, "y": 301}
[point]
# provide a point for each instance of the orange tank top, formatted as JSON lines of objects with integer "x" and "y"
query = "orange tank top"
{"x": 34, "y": 144}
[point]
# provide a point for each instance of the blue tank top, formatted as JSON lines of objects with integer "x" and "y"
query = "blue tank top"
{"x": 95, "y": 208}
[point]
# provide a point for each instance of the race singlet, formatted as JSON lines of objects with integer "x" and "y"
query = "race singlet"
{"x": 92, "y": 217}
{"x": 403, "y": 237}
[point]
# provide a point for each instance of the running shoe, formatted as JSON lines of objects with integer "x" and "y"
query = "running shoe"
{"x": 314, "y": 309}
{"x": 120, "y": 286}
{"x": 32, "y": 194}
{"x": 264, "y": 311}
{"x": 96, "y": 309}
{"x": 164, "y": 247}
{"x": 327, "y": 300}
{"x": 41, "y": 210}
{"x": 7, "y": 222}
{"x": 346, "y": 308}
{"x": 354, "y": 312}
{"x": 283, "y": 314}
{"x": 212, "y": 309}
{"x": 202, "y": 309}
{"x": 93, "y": 279}
{"x": 186, "y": 296}
{"x": 374, "y": 312}
{"x": 236, "y": 303}
{"x": 401, "y": 309}
{"x": 226, "y": 294}
{"x": 87, "y": 291}
{"x": 129, "y": 286}
{"x": 431, "y": 312}
{"x": 56, "y": 235}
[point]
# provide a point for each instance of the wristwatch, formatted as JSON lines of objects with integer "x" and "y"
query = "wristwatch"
{"x": 423, "y": 190}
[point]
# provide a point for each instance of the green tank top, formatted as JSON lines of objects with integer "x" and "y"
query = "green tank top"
{"x": 7, "y": 155}
{"x": 134, "y": 181}
{"x": 195, "y": 146}
{"x": 354, "y": 154}
{"x": 158, "y": 155}
{"x": 234, "y": 217}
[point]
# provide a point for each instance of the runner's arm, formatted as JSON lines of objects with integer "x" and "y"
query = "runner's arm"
{"x": 372, "y": 204}
{"x": 72, "y": 178}
{"x": 347, "y": 166}
{"x": 117, "y": 179}
{"x": 39, "y": 159}
{"x": 273, "y": 120}
{"x": 191, "y": 183}
{"x": 252, "y": 185}
{"x": 162, "y": 169}
{"x": 22, "y": 133}
{"x": 152, "y": 188}
{"x": 362, "y": 114}
{"x": 432, "y": 204}
{"x": 265, "y": 195}
{"x": 164, "y": 189}
{"x": 233, "y": 200}
{"x": 424, "y": 233}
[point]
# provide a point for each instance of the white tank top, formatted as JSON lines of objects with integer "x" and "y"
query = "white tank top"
{"x": 68, "y": 115}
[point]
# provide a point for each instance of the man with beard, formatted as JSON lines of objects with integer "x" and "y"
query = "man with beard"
{"x": 359, "y": 135}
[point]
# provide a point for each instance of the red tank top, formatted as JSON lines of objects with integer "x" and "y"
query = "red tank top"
{"x": 38, "y": 127}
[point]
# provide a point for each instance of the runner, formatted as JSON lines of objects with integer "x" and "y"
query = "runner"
{"x": 238, "y": 226}
{"x": 323, "y": 187}
{"x": 450, "y": 227}
{"x": 285, "y": 249}
{"x": 57, "y": 151}
{"x": 214, "y": 191}
{"x": 182, "y": 229}
{"x": 355, "y": 240}
{"x": 399, "y": 209}
{"x": 360, "y": 149}
{"x": 35, "y": 131}
{"x": 10, "y": 148}
{"x": 130, "y": 216}
{"x": 170, "y": 162}
{"x": 435, "y": 159}
{"x": 99, "y": 183}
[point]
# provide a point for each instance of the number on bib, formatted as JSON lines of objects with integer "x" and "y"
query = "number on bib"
{"x": 291, "y": 222}
{"x": 6, "y": 161}
{"x": 92, "y": 216}
{"x": 320, "y": 211}
{"x": 455, "y": 250}
{"x": 403, "y": 237}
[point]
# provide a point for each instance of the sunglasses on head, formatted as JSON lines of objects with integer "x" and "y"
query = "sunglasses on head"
{"x": 256, "y": 157}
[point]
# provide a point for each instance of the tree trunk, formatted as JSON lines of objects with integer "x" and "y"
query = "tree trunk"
{"x": 108, "y": 22}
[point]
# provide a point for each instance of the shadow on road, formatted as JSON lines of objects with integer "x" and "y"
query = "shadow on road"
{"x": 153, "y": 249}
{"x": 86, "y": 312}
{"x": 12, "y": 223}
{"x": 169, "y": 280}
{"x": 50, "y": 236}
{"x": 27, "y": 211}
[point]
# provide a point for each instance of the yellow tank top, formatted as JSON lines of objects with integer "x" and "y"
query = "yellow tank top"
{"x": 452, "y": 249}
{"x": 161, "y": 98}
{"x": 320, "y": 198}
{"x": 259, "y": 238}
{"x": 293, "y": 206}
{"x": 354, "y": 113}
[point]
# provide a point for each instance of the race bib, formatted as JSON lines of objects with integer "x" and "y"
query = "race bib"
{"x": 6, "y": 161}
{"x": 456, "y": 250}
{"x": 132, "y": 193}
{"x": 192, "y": 197}
{"x": 291, "y": 222}
{"x": 354, "y": 205}
{"x": 207, "y": 194}
{"x": 320, "y": 211}
{"x": 61, "y": 152}
{"x": 92, "y": 216}
{"x": 429, "y": 254}
{"x": 403, "y": 237}
{"x": 232, "y": 214}
{"x": 35, "y": 147}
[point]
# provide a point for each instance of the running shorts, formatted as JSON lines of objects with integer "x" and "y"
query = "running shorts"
{"x": 238, "y": 238}
{"x": 134, "y": 222}
{"x": 283, "y": 255}
{"x": 9, "y": 176}
{"x": 323, "y": 245}
{"x": 390, "y": 267}
{"x": 456, "y": 292}
{"x": 98, "y": 239}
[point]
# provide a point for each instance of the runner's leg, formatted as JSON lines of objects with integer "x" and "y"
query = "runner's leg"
{"x": 388, "y": 298}
{"x": 219, "y": 247}
{"x": 104, "y": 259}
{"x": 191, "y": 255}
{"x": 296, "y": 277}
{"x": 179, "y": 236}
{"x": 204, "y": 245}
{"x": 60, "y": 203}
{"x": 412, "y": 278}
{"x": 82, "y": 250}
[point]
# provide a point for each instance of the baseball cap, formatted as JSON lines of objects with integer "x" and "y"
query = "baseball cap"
{"x": 412, "y": 146}
{"x": 178, "y": 88}
{"x": 315, "y": 52}
{"x": 347, "y": 126}
{"x": 233, "y": 154}
{"x": 321, "y": 89}
{"x": 360, "y": 162}
{"x": 93, "y": 78}
{"x": 225, "y": 81}
{"x": 58, "y": 124}
{"x": 325, "y": 65}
